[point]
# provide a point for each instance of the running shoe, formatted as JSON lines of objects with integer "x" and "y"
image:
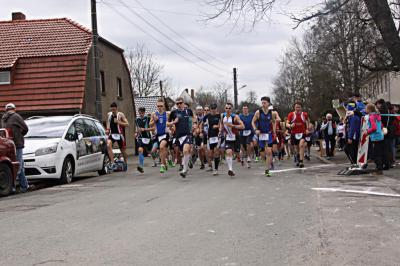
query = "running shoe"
{"x": 301, "y": 164}
{"x": 215, "y": 172}
{"x": 231, "y": 173}
{"x": 171, "y": 164}
{"x": 256, "y": 159}
{"x": 202, "y": 166}
{"x": 267, "y": 173}
{"x": 154, "y": 164}
{"x": 180, "y": 168}
{"x": 210, "y": 169}
{"x": 248, "y": 165}
{"x": 183, "y": 174}
{"x": 140, "y": 169}
{"x": 163, "y": 169}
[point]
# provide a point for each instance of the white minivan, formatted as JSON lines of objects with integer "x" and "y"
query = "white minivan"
{"x": 61, "y": 147}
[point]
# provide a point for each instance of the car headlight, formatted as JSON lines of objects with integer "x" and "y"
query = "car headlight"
{"x": 47, "y": 150}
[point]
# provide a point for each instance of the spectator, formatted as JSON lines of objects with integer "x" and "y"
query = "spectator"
{"x": 353, "y": 125}
{"x": 329, "y": 129}
{"x": 19, "y": 129}
{"x": 341, "y": 134}
{"x": 360, "y": 106}
{"x": 397, "y": 130}
{"x": 387, "y": 122}
{"x": 376, "y": 136}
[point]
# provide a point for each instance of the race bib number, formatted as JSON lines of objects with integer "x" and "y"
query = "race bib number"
{"x": 213, "y": 140}
{"x": 287, "y": 137}
{"x": 246, "y": 133}
{"x": 160, "y": 138}
{"x": 145, "y": 140}
{"x": 116, "y": 136}
{"x": 298, "y": 136}
{"x": 308, "y": 139}
{"x": 182, "y": 139}
{"x": 231, "y": 137}
{"x": 264, "y": 137}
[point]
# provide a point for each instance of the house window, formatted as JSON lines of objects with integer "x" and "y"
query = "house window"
{"x": 5, "y": 77}
{"x": 119, "y": 88}
{"x": 102, "y": 83}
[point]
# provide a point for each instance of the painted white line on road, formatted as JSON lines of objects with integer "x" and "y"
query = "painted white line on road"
{"x": 356, "y": 191}
{"x": 296, "y": 169}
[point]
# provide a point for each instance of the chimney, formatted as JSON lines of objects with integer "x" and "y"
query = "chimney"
{"x": 192, "y": 93}
{"x": 18, "y": 16}
{"x": 187, "y": 90}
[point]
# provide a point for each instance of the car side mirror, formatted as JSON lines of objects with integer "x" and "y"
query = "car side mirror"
{"x": 80, "y": 136}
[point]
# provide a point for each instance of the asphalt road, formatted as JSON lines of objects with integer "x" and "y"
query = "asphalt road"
{"x": 295, "y": 217}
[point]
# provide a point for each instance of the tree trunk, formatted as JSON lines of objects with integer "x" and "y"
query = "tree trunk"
{"x": 382, "y": 16}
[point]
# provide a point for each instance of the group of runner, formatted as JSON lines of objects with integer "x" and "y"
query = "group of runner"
{"x": 182, "y": 136}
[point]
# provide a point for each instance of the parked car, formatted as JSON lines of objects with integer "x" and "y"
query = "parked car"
{"x": 8, "y": 163}
{"x": 61, "y": 147}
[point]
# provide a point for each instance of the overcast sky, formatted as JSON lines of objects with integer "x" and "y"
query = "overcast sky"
{"x": 255, "y": 53}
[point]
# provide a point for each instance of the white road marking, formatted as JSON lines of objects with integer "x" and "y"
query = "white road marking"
{"x": 296, "y": 169}
{"x": 356, "y": 191}
{"x": 211, "y": 231}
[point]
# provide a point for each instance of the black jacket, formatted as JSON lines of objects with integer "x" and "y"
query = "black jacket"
{"x": 18, "y": 127}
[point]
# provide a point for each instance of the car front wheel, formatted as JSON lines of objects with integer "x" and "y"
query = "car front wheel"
{"x": 67, "y": 172}
{"x": 6, "y": 180}
{"x": 105, "y": 170}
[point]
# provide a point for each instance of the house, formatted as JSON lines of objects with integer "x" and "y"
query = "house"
{"x": 382, "y": 85}
{"x": 46, "y": 68}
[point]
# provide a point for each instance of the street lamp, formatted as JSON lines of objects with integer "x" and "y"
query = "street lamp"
{"x": 243, "y": 86}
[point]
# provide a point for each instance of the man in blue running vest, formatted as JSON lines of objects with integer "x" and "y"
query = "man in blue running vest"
{"x": 246, "y": 135}
{"x": 264, "y": 125}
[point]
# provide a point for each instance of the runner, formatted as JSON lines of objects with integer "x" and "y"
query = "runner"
{"x": 298, "y": 122}
{"x": 143, "y": 136}
{"x": 116, "y": 124}
{"x": 264, "y": 124}
{"x": 212, "y": 120}
{"x": 204, "y": 127}
{"x": 246, "y": 136}
{"x": 309, "y": 141}
{"x": 158, "y": 122}
{"x": 230, "y": 124}
{"x": 183, "y": 118}
{"x": 199, "y": 148}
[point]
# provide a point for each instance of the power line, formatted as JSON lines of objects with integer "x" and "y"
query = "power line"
{"x": 169, "y": 38}
{"x": 161, "y": 43}
{"x": 156, "y": 10}
{"x": 177, "y": 33}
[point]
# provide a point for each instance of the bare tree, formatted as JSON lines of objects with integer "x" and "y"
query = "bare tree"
{"x": 383, "y": 13}
{"x": 144, "y": 70}
{"x": 251, "y": 96}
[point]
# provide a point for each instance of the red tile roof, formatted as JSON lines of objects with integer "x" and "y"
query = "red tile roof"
{"x": 44, "y": 37}
{"x": 48, "y": 60}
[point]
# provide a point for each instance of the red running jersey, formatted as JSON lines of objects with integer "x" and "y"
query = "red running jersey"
{"x": 299, "y": 119}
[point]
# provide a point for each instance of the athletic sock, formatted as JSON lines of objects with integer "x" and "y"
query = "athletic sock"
{"x": 229, "y": 161}
{"x": 186, "y": 159}
{"x": 216, "y": 162}
{"x": 256, "y": 151}
{"x": 141, "y": 159}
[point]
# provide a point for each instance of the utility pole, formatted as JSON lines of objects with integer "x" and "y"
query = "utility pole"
{"x": 95, "y": 34}
{"x": 235, "y": 89}
{"x": 161, "y": 89}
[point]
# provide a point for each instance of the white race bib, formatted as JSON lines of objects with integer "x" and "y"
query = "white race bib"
{"x": 263, "y": 137}
{"x": 213, "y": 140}
{"x": 182, "y": 139}
{"x": 287, "y": 137}
{"x": 308, "y": 139}
{"x": 298, "y": 136}
{"x": 230, "y": 137}
{"x": 145, "y": 140}
{"x": 116, "y": 136}
{"x": 246, "y": 133}
{"x": 160, "y": 138}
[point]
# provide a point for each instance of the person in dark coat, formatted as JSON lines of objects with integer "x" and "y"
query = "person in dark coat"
{"x": 13, "y": 121}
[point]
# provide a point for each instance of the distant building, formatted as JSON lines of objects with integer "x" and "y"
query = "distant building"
{"x": 383, "y": 84}
{"x": 46, "y": 68}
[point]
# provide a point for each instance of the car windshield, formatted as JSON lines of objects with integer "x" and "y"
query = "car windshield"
{"x": 47, "y": 127}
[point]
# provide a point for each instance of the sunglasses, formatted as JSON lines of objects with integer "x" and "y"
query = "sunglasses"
{"x": 206, "y": 110}
{"x": 179, "y": 103}
{"x": 229, "y": 108}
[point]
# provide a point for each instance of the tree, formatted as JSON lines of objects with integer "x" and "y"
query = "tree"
{"x": 219, "y": 93}
{"x": 144, "y": 70}
{"x": 380, "y": 12}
